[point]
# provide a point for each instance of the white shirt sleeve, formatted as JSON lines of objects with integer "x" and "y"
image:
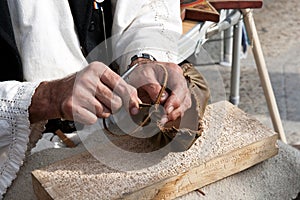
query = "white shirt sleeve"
{"x": 46, "y": 40}
{"x": 146, "y": 26}
{"x": 15, "y": 99}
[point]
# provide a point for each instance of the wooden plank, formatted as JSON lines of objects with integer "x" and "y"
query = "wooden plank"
{"x": 236, "y": 4}
{"x": 198, "y": 10}
{"x": 187, "y": 25}
{"x": 215, "y": 169}
{"x": 232, "y": 141}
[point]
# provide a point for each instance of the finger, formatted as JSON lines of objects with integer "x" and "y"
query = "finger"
{"x": 172, "y": 103}
{"x": 129, "y": 96}
{"x": 153, "y": 90}
{"x": 89, "y": 112}
{"x": 174, "y": 112}
{"x": 147, "y": 78}
{"x": 111, "y": 79}
{"x": 120, "y": 87}
{"x": 84, "y": 116}
{"x": 164, "y": 97}
{"x": 86, "y": 100}
{"x": 134, "y": 103}
{"x": 102, "y": 111}
{"x": 108, "y": 98}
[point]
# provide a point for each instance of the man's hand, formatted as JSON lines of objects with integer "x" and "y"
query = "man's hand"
{"x": 96, "y": 91}
{"x": 148, "y": 77}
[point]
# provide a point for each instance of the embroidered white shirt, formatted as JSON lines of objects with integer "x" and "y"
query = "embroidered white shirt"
{"x": 15, "y": 98}
{"x": 49, "y": 48}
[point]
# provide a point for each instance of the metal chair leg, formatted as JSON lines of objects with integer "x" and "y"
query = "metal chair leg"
{"x": 235, "y": 69}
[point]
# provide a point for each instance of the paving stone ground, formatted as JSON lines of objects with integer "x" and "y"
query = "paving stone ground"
{"x": 278, "y": 26}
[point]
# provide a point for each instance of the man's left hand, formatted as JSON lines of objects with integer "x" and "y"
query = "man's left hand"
{"x": 149, "y": 77}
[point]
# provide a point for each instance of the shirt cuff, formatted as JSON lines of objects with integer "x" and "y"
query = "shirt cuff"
{"x": 15, "y": 131}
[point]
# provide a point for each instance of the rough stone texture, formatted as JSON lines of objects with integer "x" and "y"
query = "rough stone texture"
{"x": 276, "y": 177}
{"x": 226, "y": 129}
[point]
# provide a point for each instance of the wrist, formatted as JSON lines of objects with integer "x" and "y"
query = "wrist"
{"x": 141, "y": 58}
{"x": 136, "y": 60}
{"x": 43, "y": 106}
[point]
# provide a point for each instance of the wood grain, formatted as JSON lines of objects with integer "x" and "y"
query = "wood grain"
{"x": 199, "y": 10}
{"x": 236, "y": 4}
{"x": 187, "y": 25}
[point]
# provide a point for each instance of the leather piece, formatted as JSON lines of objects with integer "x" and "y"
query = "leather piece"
{"x": 180, "y": 134}
{"x": 192, "y": 121}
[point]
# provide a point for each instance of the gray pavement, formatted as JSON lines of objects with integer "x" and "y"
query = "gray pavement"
{"x": 284, "y": 72}
{"x": 280, "y": 41}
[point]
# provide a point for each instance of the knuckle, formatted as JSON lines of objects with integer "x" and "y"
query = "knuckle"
{"x": 99, "y": 110}
{"x": 132, "y": 90}
{"x": 91, "y": 121}
{"x": 67, "y": 108}
{"x": 98, "y": 67}
{"x": 176, "y": 101}
{"x": 116, "y": 100}
{"x": 175, "y": 115}
{"x": 176, "y": 67}
{"x": 189, "y": 102}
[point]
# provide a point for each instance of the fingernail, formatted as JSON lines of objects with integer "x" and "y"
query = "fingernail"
{"x": 164, "y": 96}
{"x": 170, "y": 109}
{"x": 164, "y": 120}
{"x": 134, "y": 111}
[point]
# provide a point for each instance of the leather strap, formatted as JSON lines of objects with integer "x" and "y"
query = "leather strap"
{"x": 156, "y": 104}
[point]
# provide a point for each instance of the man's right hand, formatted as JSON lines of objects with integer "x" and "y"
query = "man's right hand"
{"x": 96, "y": 91}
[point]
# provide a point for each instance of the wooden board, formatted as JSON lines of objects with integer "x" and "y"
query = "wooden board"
{"x": 198, "y": 10}
{"x": 187, "y": 25}
{"x": 236, "y": 4}
{"x": 232, "y": 141}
